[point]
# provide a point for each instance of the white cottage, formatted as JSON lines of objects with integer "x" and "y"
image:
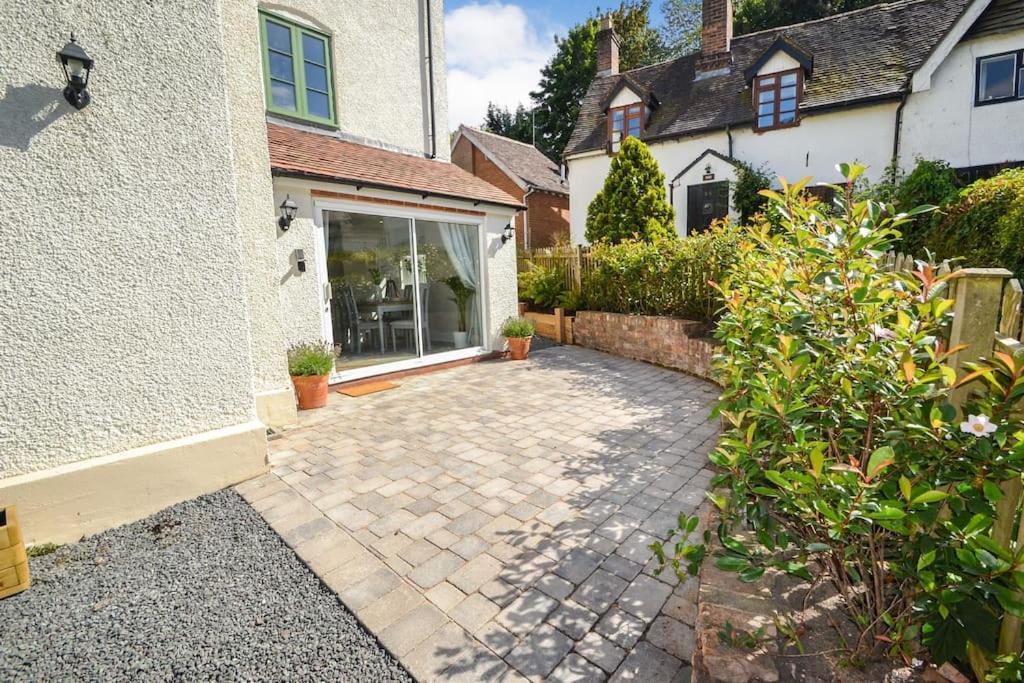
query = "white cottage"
{"x": 939, "y": 79}
{"x": 243, "y": 175}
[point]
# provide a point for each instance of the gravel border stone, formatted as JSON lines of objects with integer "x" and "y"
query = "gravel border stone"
{"x": 203, "y": 590}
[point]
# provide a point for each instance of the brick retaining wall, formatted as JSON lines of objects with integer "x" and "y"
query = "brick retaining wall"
{"x": 670, "y": 342}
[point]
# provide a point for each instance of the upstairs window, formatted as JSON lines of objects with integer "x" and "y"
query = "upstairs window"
{"x": 777, "y": 99}
{"x": 1000, "y": 78}
{"x": 624, "y": 122}
{"x": 297, "y": 74}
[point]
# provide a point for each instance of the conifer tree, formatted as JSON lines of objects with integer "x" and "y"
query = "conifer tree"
{"x": 633, "y": 200}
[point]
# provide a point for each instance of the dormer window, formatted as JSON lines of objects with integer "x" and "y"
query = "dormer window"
{"x": 777, "y": 99}
{"x": 624, "y": 122}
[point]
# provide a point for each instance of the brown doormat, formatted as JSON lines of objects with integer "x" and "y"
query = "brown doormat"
{"x": 367, "y": 388}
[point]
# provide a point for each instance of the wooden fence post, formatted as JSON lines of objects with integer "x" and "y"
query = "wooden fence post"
{"x": 559, "y": 324}
{"x": 977, "y": 295}
{"x": 981, "y": 317}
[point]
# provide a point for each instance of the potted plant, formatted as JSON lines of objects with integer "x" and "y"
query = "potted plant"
{"x": 310, "y": 365}
{"x": 461, "y": 294}
{"x": 519, "y": 333}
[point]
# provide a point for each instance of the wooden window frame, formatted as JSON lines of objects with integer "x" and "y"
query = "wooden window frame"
{"x": 777, "y": 88}
{"x": 297, "y": 32}
{"x": 626, "y": 118}
{"x": 1018, "y": 78}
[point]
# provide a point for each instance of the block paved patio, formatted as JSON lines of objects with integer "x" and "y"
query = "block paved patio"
{"x": 491, "y": 522}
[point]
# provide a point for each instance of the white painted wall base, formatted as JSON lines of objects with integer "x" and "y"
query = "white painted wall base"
{"x": 65, "y": 503}
{"x": 276, "y": 408}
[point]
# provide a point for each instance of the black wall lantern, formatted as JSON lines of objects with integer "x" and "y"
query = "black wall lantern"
{"x": 288, "y": 211}
{"x": 77, "y": 66}
{"x": 508, "y": 233}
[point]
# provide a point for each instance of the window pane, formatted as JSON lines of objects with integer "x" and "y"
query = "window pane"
{"x": 765, "y": 121}
{"x": 316, "y": 77}
{"x": 282, "y": 94}
{"x": 1020, "y": 84}
{"x": 788, "y": 93}
{"x": 787, "y": 116}
{"x": 766, "y": 80}
{"x": 635, "y": 109}
{"x": 281, "y": 67}
{"x": 766, "y": 109}
{"x": 997, "y": 77}
{"x": 313, "y": 50}
{"x": 279, "y": 37}
{"x": 766, "y": 96}
{"x": 787, "y": 105}
{"x": 317, "y": 104}
{"x": 634, "y": 128}
{"x": 789, "y": 79}
{"x": 617, "y": 120}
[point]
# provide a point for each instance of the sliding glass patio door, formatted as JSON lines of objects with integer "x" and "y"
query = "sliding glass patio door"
{"x": 401, "y": 289}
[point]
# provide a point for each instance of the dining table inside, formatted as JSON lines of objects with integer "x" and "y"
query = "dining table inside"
{"x": 381, "y": 308}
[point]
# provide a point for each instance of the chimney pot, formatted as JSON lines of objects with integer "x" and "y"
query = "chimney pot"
{"x": 607, "y": 49}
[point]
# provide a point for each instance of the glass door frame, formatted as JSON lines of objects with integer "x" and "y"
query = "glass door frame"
{"x": 321, "y": 206}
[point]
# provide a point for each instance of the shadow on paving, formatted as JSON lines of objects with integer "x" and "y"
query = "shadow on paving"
{"x": 635, "y": 480}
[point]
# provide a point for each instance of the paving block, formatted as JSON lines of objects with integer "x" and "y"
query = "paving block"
{"x": 575, "y": 669}
{"x": 644, "y": 597}
{"x": 375, "y": 586}
{"x": 475, "y": 573}
{"x": 412, "y": 628}
{"x": 601, "y": 651}
{"x": 621, "y": 628}
{"x": 573, "y": 619}
{"x": 390, "y": 607}
{"x": 599, "y": 591}
{"x": 526, "y": 612}
{"x": 436, "y": 569}
{"x": 647, "y": 663}
{"x": 540, "y": 652}
{"x": 473, "y": 612}
{"x": 672, "y": 636}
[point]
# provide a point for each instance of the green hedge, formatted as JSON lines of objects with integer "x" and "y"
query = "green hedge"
{"x": 984, "y": 225}
{"x": 663, "y": 277}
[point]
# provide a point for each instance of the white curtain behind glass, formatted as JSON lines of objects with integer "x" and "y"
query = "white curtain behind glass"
{"x": 460, "y": 242}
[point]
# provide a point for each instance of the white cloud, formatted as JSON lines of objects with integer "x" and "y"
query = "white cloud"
{"x": 495, "y": 54}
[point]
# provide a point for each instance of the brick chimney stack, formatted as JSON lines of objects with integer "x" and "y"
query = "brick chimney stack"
{"x": 716, "y": 39}
{"x": 607, "y": 49}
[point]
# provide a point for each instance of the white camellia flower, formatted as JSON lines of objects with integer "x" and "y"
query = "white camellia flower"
{"x": 979, "y": 425}
{"x": 834, "y": 238}
{"x": 879, "y": 332}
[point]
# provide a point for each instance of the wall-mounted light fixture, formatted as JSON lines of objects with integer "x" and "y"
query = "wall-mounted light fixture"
{"x": 508, "y": 233}
{"x": 77, "y": 66}
{"x": 288, "y": 210}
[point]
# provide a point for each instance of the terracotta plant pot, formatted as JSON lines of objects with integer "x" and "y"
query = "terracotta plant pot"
{"x": 311, "y": 391}
{"x": 519, "y": 347}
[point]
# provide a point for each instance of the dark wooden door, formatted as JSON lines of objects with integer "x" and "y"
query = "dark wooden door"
{"x": 705, "y": 203}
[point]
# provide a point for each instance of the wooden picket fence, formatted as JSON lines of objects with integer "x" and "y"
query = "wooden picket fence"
{"x": 575, "y": 262}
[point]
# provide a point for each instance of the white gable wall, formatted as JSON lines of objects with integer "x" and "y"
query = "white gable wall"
{"x": 625, "y": 97}
{"x": 779, "y": 61}
{"x": 943, "y": 123}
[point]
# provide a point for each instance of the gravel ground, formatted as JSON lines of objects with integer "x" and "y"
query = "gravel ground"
{"x": 204, "y": 590}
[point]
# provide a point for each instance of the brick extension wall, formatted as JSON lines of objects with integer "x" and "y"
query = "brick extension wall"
{"x": 548, "y": 218}
{"x": 669, "y": 342}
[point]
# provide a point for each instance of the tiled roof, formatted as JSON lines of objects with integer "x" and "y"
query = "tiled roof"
{"x": 326, "y": 157}
{"x": 859, "y": 56}
{"x": 525, "y": 161}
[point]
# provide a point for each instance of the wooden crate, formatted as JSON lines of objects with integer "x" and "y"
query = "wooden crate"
{"x": 554, "y": 326}
{"x": 14, "y": 574}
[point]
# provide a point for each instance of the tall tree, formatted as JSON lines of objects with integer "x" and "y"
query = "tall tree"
{"x": 633, "y": 200}
{"x": 517, "y": 124}
{"x": 758, "y": 15}
{"x": 682, "y": 28}
{"x": 566, "y": 78}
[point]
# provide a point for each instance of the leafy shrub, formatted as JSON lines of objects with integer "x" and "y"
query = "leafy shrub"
{"x": 312, "y": 359}
{"x": 633, "y": 202}
{"x": 573, "y": 300}
{"x": 542, "y": 285}
{"x": 930, "y": 183}
{"x": 985, "y": 225}
{"x": 661, "y": 277}
{"x": 746, "y": 192}
{"x": 843, "y": 455}
{"x": 517, "y": 328}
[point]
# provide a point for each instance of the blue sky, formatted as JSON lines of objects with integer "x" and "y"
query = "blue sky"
{"x": 496, "y": 48}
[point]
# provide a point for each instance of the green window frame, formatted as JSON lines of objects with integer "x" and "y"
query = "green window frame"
{"x": 301, "y": 82}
